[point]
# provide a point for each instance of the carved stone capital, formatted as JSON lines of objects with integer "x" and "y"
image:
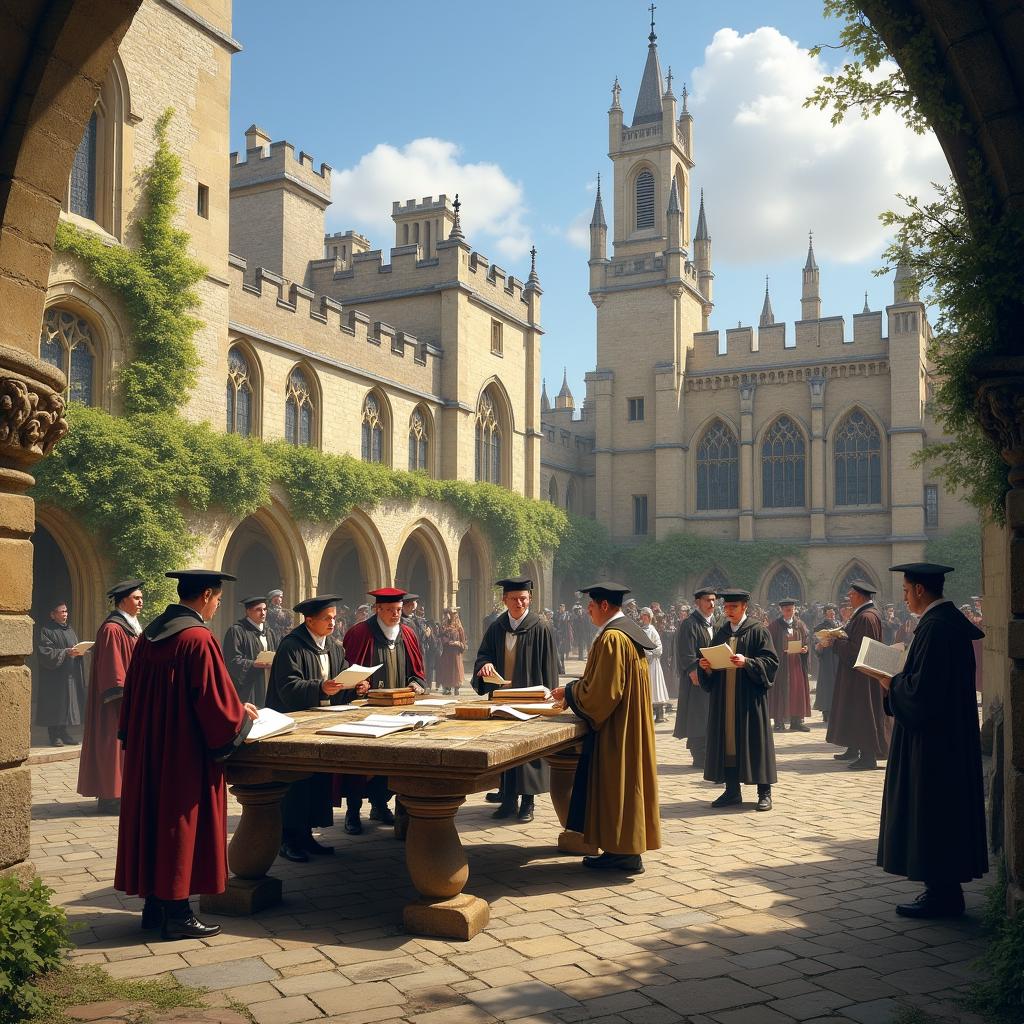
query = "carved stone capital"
{"x": 1000, "y": 404}
{"x": 32, "y": 409}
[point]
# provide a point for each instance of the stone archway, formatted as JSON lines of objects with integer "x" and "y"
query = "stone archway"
{"x": 475, "y": 590}
{"x": 354, "y": 561}
{"x": 422, "y": 568}
{"x": 255, "y": 555}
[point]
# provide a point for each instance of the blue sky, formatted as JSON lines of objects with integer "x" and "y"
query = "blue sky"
{"x": 507, "y": 105}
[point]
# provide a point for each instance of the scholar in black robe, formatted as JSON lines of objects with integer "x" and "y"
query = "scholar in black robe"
{"x": 60, "y": 698}
{"x": 933, "y": 807}
{"x": 536, "y": 664}
{"x": 295, "y": 685}
{"x": 755, "y": 747}
{"x": 825, "y": 684}
{"x": 692, "y": 634}
{"x": 241, "y": 648}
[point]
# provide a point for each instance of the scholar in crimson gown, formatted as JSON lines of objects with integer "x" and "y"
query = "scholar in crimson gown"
{"x": 99, "y": 770}
{"x": 790, "y": 695}
{"x": 180, "y": 719}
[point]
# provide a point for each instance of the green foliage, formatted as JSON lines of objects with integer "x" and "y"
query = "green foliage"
{"x": 960, "y": 548}
{"x": 586, "y": 552}
{"x": 999, "y": 995}
{"x": 156, "y": 280}
{"x": 33, "y": 936}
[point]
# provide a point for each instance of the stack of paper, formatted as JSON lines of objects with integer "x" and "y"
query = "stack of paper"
{"x": 83, "y": 646}
{"x": 269, "y": 723}
{"x": 720, "y": 657}
{"x": 264, "y": 659}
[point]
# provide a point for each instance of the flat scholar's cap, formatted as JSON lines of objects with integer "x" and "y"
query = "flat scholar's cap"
{"x": 119, "y": 591}
{"x": 705, "y": 592}
{"x": 315, "y": 605}
{"x": 606, "y": 590}
{"x": 730, "y": 594}
{"x": 787, "y": 600}
{"x": 522, "y": 583}
{"x": 205, "y": 577}
{"x": 922, "y": 568}
{"x": 388, "y": 595}
{"x": 248, "y": 602}
{"x": 863, "y": 587}
{"x": 410, "y": 597}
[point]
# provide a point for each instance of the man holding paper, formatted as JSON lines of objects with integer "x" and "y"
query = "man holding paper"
{"x": 249, "y": 645}
{"x": 932, "y": 828}
{"x": 693, "y": 633}
{"x": 740, "y": 744}
{"x": 790, "y": 696}
{"x": 518, "y": 649}
{"x": 304, "y": 675}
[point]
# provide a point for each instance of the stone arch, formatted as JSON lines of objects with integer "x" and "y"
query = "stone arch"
{"x": 571, "y": 497}
{"x": 423, "y": 566}
{"x": 474, "y": 585}
{"x": 354, "y": 560}
{"x": 852, "y": 569}
{"x": 553, "y": 490}
{"x": 652, "y": 194}
{"x": 783, "y": 576}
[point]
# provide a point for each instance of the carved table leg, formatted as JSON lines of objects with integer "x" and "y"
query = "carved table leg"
{"x": 563, "y": 771}
{"x": 438, "y": 869}
{"x": 251, "y": 851}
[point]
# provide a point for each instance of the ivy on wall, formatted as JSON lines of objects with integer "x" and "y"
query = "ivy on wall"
{"x": 133, "y": 480}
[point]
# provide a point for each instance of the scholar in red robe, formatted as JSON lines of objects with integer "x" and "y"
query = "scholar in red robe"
{"x": 99, "y": 770}
{"x": 790, "y": 698}
{"x": 180, "y": 718}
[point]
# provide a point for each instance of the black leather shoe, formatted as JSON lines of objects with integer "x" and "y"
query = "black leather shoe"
{"x": 494, "y": 798}
{"x": 764, "y": 801}
{"x": 930, "y": 904}
{"x": 863, "y": 764}
{"x": 506, "y": 810}
{"x": 317, "y": 849}
{"x": 294, "y": 853}
{"x": 353, "y": 824}
{"x": 630, "y": 864}
{"x": 799, "y": 727}
{"x": 526, "y": 809}
{"x": 152, "y": 915}
{"x": 849, "y": 754}
{"x": 382, "y": 813}
{"x": 187, "y": 928}
{"x": 728, "y": 799}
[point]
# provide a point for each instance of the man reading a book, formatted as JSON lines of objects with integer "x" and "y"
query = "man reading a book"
{"x": 932, "y": 828}
{"x": 245, "y": 640}
{"x": 614, "y": 800}
{"x": 520, "y": 647}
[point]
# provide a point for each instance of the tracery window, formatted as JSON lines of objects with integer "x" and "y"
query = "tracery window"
{"x": 644, "y": 200}
{"x": 716, "y": 579}
{"x": 782, "y": 466}
{"x": 239, "y": 394}
{"x": 857, "y": 454}
{"x": 419, "y": 441}
{"x": 68, "y": 343}
{"x": 857, "y": 572}
{"x": 570, "y": 496}
{"x": 553, "y": 491}
{"x": 488, "y": 441}
{"x": 784, "y": 584}
{"x": 82, "y": 196}
{"x": 373, "y": 430}
{"x": 299, "y": 410}
{"x": 718, "y": 470}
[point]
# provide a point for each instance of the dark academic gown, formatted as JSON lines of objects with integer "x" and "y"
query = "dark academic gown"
{"x": 614, "y": 800}
{"x": 534, "y": 663}
{"x": 751, "y": 723}
{"x": 825, "y": 684}
{"x": 241, "y": 648}
{"x": 99, "y": 769}
{"x": 790, "y": 695}
{"x": 692, "y": 634}
{"x": 180, "y": 718}
{"x": 933, "y": 806}
{"x": 858, "y": 717}
{"x": 294, "y": 685}
{"x": 60, "y": 700}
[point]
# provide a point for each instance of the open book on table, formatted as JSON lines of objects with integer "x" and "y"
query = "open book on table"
{"x": 880, "y": 660}
{"x": 269, "y": 723}
{"x": 378, "y": 726}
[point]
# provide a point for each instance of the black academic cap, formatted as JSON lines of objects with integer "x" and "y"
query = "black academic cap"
{"x": 312, "y": 605}
{"x": 410, "y": 597}
{"x": 826, "y": 607}
{"x": 522, "y": 583}
{"x": 207, "y": 577}
{"x": 705, "y": 592}
{"x": 787, "y": 600}
{"x": 606, "y": 590}
{"x": 119, "y": 591}
{"x": 250, "y": 601}
{"x": 863, "y": 587}
{"x": 734, "y": 594}
{"x": 922, "y": 568}
{"x": 388, "y": 595}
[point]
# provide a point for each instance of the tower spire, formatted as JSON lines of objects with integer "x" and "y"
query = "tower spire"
{"x": 533, "y": 279}
{"x": 648, "y": 100}
{"x": 810, "y": 264}
{"x": 767, "y": 316}
{"x": 867, "y": 308}
{"x": 810, "y": 296}
{"x": 598, "y": 221}
{"x": 702, "y": 223}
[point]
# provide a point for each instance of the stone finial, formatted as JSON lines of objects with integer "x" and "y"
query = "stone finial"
{"x": 668, "y": 83}
{"x": 867, "y": 308}
{"x": 702, "y": 223}
{"x": 456, "y": 231}
{"x": 686, "y": 97}
{"x": 652, "y": 37}
{"x": 810, "y": 264}
{"x": 533, "y": 280}
{"x": 616, "y": 94}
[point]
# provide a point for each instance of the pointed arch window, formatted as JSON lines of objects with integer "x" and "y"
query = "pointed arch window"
{"x": 857, "y": 456}
{"x": 718, "y": 469}
{"x": 299, "y": 410}
{"x": 553, "y": 491}
{"x": 715, "y": 579}
{"x": 239, "y": 394}
{"x": 856, "y": 572}
{"x": 488, "y": 441}
{"x": 372, "y": 429}
{"x": 419, "y": 441}
{"x": 570, "y": 496}
{"x": 644, "y": 200}
{"x": 67, "y": 341}
{"x": 784, "y": 584}
{"x": 782, "y": 466}
{"x": 82, "y": 194}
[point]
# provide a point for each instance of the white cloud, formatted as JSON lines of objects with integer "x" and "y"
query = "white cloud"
{"x": 577, "y": 231}
{"x": 772, "y": 170}
{"x": 493, "y": 208}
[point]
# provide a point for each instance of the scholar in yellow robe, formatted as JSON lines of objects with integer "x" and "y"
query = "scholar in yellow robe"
{"x": 615, "y": 792}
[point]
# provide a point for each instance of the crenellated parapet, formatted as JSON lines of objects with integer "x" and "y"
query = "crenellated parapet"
{"x": 271, "y": 161}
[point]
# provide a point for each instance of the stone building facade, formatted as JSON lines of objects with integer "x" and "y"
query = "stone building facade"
{"x": 425, "y": 356}
{"x": 804, "y": 433}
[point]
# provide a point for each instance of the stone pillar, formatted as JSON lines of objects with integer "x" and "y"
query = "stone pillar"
{"x": 747, "y": 461}
{"x": 1000, "y": 400}
{"x": 817, "y": 386}
{"x": 31, "y": 423}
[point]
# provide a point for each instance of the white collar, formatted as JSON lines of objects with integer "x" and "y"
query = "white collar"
{"x": 738, "y": 624}
{"x": 618, "y": 615}
{"x": 258, "y": 625}
{"x": 516, "y": 623}
{"x": 320, "y": 641}
{"x": 788, "y": 623}
{"x": 391, "y": 632}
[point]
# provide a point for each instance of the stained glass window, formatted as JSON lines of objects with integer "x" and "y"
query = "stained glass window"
{"x": 68, "y": 343}
{"x": 857, "y": 572}
{"x": 373, "y": 430}
{"x": 239, "y": 394}
{"x": 488, "y": 441}
{"x": 718, "y": 474}
{"x": 782, "y": 465}
{"x": 784, "y": 584}
{"x": 419, "y": 440}
{"x": 858, "y": 461}
{"x": 298, "y": 410}
{"x": 82, "y": 199}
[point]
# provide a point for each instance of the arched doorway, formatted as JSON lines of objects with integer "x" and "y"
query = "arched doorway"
{"x": 474, "y": 593}
{"x": 252, "y": 556}
{"x": 353, "y": 563}
{"x": 52, "y": 584}
{"x": 423, "y": 569}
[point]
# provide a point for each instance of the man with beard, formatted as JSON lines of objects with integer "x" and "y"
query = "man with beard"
{"x": 826, "y": 682}
{"x": 99, "y": 770}
{"x": 520, "y": 647}
{"x": 740, "y": 744}
{"x": 858, "y": 717}
{"x": 180, "y": 719}
{"x": 790, "y": 696}
{"x": 933, "y": 809}
{"x": 244, "y": 641}
{"x": 694, "y": 632}
{"x": 305, "y": 675}
{"x": 61, "y": 697}
{"x": 382, "y": 639}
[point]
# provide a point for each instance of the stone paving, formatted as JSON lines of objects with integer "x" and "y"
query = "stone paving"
{"x": 741, "y": 918}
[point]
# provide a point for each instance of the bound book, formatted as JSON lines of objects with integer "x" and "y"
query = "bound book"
{"x": 83, "y": 646}
{"x": 880, "y": 660}
{"x": 522, "y": 695}
{"x": 833, "y": 633}
{"x": 478, "y": 711}
{"x": 494, "y": 679}
{"x": 269, "y": 723}
{"x": 391, "y": 698}
{"x": 379, "y": 726}
{"x": 264, "y": 659}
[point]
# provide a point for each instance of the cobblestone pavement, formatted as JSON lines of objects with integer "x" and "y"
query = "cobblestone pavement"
{"x": 741, "y": 918}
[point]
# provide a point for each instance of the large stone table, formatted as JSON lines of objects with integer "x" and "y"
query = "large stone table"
{"x": 432, "y": 770}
